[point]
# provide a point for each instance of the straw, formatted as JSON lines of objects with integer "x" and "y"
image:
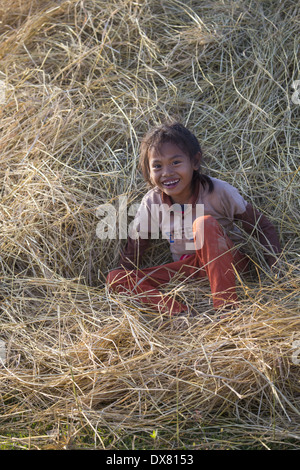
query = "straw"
{"x": 80, "y": 84}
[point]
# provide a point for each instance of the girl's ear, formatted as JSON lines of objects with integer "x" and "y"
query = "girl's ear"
{"x": 197, "y": 161}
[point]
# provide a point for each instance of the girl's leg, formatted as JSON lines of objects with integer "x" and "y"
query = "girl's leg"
{"x": 145, "y": 284}
{"x": 216, "y": 253}
{"x": 215, "y": 256}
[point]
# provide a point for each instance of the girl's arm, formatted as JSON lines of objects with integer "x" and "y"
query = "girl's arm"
{"x": 255, "y": 222}
{"x": 133, "y": 251}
{"x": 139, "y": 235}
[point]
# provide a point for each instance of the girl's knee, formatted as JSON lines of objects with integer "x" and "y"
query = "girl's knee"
{"x": 206, "y": 229}
{"x": 114, "y": 276}
{"x": 204, "y": 222}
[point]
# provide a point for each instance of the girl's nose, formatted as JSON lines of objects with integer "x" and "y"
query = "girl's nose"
{"x": 167, "y": 170}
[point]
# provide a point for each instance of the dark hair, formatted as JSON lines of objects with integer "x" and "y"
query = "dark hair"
{"x": 177, "y": 134}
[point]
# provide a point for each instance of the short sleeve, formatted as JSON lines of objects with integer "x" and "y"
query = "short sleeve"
{"x": 232, "y": 201}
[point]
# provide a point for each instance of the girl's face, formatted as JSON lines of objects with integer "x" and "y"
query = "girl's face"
{"x": 171, "y": 170}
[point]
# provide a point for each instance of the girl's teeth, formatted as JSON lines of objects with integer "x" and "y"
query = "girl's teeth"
{"x": 171, "y": 182}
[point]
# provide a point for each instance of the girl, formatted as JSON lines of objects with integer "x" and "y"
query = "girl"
{"x": 170, "y": 161}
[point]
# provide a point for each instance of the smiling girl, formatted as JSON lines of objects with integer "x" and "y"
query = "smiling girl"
{"x": 170, "y": 160}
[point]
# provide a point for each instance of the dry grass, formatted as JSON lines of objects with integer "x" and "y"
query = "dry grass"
{"x": 83, "y": 81}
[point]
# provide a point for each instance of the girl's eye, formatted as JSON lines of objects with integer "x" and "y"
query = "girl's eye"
{"x": 176, "y": 162}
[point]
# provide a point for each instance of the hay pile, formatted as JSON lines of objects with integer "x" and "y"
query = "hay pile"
{"x": 80, "y": 84}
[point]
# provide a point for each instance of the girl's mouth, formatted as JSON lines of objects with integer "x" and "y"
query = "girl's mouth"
{"x": 170, "y": 184}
